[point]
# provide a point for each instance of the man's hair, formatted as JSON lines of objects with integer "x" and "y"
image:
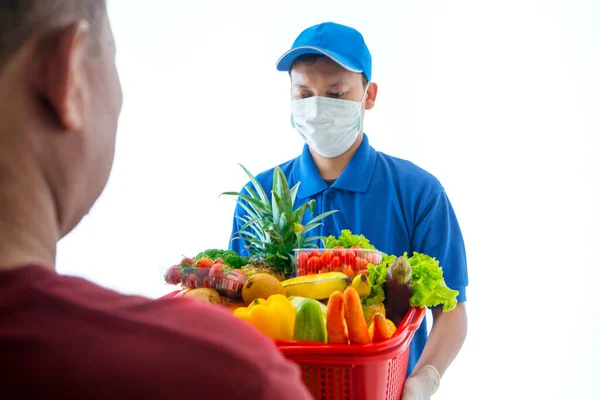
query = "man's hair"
{"x": 20, "y": 19}
{"x": 311, "y": 58}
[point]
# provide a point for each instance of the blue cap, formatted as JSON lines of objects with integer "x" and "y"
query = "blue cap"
{"x": 340, "y": 43}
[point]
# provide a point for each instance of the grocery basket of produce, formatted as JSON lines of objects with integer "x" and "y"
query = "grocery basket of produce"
{"x": 343, "y": 311}
{"x": 371, "y": 371}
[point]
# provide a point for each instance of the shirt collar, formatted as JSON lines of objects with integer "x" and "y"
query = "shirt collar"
{"x": 355, "y": 178}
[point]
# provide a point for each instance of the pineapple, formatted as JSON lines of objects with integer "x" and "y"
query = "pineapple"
{"x": 261, "y": 267}
{"x": 272, "y": 227}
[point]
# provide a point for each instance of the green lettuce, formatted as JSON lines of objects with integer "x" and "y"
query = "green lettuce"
{"x": 347, "y": 239}
{"x": 428, "y": 286}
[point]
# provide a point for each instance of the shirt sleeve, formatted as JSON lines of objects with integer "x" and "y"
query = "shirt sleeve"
{"x": 438, "y": 235}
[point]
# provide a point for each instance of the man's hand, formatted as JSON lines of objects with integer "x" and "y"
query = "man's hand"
{"x": 422, "y": 384}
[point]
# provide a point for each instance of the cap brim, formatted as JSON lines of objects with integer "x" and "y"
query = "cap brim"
{"x": 285, "y": 61}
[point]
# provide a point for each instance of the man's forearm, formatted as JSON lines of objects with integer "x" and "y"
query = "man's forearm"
{"x": 445, "y": 339}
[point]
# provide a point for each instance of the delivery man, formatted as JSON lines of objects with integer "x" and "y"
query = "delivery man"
{"x": 395, "y": 204}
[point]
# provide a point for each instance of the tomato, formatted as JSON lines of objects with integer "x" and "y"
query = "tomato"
{"x": 313, "y": 265}
{"x": 219, "y": 261}
{"x": 360, "y": 263}
{"x": 301, "y": 271}
{"x": 358, "y": 253}
{"x": 204, "y": 262}
{"x": 326, "y": 258}
{"x": 325, "y": 268}
{"x": 349, "y": 271}
{"x": 302, "y": 259}
{"x": 336, "y": 263}
{"x": 314, "y": 253}
{"x": 348, "y": 257}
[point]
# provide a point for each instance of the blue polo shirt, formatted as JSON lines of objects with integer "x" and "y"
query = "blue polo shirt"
{"x": 392, "y": 202}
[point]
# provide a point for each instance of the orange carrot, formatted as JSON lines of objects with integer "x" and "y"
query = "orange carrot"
{"x": 380, "y": 328}
{"x": 358, "y": 331}
{"x": 336, "y": 331}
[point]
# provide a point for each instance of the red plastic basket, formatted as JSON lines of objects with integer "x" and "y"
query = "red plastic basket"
{"x": 356, "y": 372}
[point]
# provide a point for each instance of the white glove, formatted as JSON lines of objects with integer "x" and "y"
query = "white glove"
{"x": 422, "y": 384}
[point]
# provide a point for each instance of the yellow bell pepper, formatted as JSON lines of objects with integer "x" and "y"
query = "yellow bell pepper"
{"x": 274, "y": 317}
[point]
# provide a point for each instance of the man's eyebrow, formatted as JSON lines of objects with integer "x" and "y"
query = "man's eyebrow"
{"x": 333, "y": 85}
{"x": 338, "y": 83}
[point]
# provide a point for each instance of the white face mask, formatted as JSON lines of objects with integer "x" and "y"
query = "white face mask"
{"x": 329, "y": 126}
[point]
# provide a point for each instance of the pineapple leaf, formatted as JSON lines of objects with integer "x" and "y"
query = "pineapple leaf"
{"x": 310, "y": 226}
{"x": 286, "y": 225}
{"x": 312, "y": 204}
{"x": 251, "y": 212}
{"x": 261, "y": 192}
{"x": 282, "y": 191}
{"x": 320, "y": 217}
{"x": 275, "y": 207}
{"x": 299, "y": 240}
{"x": 278, "y": 203}
{"x": 299, "y": 213}
{"x": 313, "y": 239}
{"x": 256, "y": 205}
{"x": 293, "y": 193}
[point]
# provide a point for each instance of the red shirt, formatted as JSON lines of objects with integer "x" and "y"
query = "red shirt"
{"x": 65, "y": 337}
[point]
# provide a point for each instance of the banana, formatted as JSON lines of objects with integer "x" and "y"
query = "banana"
{"x": 318, "y": 287}
{"x": 362, "y": 285}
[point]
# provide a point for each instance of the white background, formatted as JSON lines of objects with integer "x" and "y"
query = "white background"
{"x": 500, "y": 100}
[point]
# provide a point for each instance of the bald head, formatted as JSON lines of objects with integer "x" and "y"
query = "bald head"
{"x": 60, "y": 99}
{"x": 20, "y": 19}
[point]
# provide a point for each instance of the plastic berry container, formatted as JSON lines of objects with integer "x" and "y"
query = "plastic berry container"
{"x": 349, "y": 261}
{"x": 227, "y": 283}
{"x": 194, "y": 277}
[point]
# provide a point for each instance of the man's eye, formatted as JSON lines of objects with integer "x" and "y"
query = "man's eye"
{"x": 336, "y": 95}
{"x": 303, "y": 95}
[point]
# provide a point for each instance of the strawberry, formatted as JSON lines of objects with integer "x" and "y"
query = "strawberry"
{"x": 204, "y": 262}
{"x": 173, "y": 275}
{"x": 193, "y": 281}
{"x": 216, "y": 270}
{"x": 187, "y": 262}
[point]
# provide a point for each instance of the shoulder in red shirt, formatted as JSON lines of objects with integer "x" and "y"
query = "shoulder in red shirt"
{"x": 65, "y": 337}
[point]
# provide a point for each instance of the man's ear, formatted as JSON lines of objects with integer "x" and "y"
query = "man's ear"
{"x": 63, "y": 75}
{"x": 371, "y": 96}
